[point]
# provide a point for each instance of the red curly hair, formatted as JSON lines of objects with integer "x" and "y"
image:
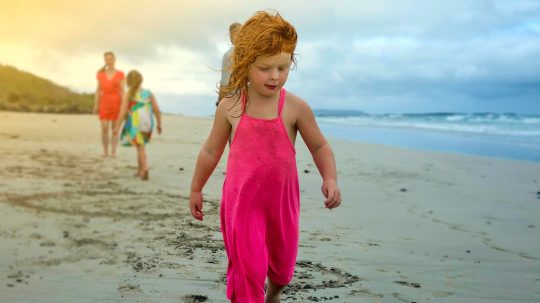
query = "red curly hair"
{"x": 264, "y": 34}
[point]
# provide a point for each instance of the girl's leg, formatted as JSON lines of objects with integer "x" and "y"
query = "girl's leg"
{"x": 105, "y": 137}
{"x": 114, "y": 140}
{"x": 139, "y": 165}
{"x": 272, "y": 292}
{"x": 144, "y": 163}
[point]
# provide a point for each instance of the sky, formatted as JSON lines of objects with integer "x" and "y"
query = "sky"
{"x": 374, "y": 56}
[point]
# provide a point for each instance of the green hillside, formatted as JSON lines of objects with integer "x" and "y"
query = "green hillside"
{"x": 23, "y": 91}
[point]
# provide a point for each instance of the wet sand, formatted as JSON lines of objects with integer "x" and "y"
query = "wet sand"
{"x": 414, "y": 227}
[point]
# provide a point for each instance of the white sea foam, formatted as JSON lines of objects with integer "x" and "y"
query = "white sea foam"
{"x": 485, "y": 123}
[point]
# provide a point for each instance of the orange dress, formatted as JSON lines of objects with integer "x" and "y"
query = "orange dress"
{"x": 110, "y": 95}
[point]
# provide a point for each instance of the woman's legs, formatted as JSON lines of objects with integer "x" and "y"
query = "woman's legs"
{"x": 105, "y": 137}
{"x": 114, "y": 139}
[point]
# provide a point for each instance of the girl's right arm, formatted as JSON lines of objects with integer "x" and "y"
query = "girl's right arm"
{"x": 208, "y": 159}
{"x": 157, "y": 112}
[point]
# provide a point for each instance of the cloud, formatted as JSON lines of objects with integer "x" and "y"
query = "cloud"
{"x": 375, "y": 56}
{"x": 414, "y": 70}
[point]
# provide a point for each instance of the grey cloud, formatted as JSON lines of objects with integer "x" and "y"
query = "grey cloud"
{"x": 381, "y": 55}
{"x": 463, "y": 70}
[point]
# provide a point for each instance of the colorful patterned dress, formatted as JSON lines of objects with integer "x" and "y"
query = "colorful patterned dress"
{"x": 140, "y": 122}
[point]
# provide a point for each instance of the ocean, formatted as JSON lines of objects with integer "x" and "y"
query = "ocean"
{"x": 509, "y": 136}
{"x": 506, "y": 135}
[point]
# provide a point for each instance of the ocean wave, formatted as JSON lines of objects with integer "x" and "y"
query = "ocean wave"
{"x": 483, "y": 123}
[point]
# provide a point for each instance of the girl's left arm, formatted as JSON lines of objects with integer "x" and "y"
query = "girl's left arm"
{"x": 122, "y": 114}
{"x": 157, "y": 112}
{"x": 321, "y": 152}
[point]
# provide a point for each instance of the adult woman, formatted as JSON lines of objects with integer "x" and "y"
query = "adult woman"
{"x": 109, "y": 93}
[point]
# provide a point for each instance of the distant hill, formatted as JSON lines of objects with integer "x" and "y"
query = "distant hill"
{"x": 23, "y": 91}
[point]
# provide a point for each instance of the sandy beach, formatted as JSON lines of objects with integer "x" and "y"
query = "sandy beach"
{"x": 414, "y": 226}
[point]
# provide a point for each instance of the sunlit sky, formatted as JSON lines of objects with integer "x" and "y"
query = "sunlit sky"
{"x": 375, "y": 56}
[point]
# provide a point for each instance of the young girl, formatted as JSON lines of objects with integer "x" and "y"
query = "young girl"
{"x": 109, "y": 93}
{"x": 260, "y": 199}
{"x": 140, "y": 106}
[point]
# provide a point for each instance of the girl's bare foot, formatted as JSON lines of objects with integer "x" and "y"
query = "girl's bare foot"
{"x": 104, "y": 155}
{"x": 273, "y": 299}
{"x": 272, "y": 292}
{"x": 145, "y": 176}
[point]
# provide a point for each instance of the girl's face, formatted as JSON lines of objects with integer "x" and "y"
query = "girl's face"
{"x": 268, "y": 74}
{"x": 109, "y": 60}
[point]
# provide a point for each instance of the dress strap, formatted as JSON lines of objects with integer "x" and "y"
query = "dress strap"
{"x": 244, "y": 101}
{"x": 281, "y": 101}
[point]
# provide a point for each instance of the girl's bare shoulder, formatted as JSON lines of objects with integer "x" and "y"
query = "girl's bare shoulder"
{"x": 296, "y": 104}
{"x": 231, "y": 106}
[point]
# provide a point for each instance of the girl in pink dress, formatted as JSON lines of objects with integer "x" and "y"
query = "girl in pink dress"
{"x": 261, "y": 198}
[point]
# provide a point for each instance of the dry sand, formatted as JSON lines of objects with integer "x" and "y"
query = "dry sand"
{"x": 414, "y": 226}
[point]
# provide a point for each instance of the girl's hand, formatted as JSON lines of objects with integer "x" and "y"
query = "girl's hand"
{"x": 196, "y": 205}
{"x": 159, "y": 129}
{"x": 95, "y": 110}
{"x": 332, "y": 194}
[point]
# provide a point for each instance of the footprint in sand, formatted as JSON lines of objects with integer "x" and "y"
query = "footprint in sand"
{"x": 441, "y": 294}
{"x": 311, "y": 277}
{"x": 410, "y": 284}
{"x": 195, "y": 298}
{"x": 129, "y": 287}
{"x": 17, "y": 277}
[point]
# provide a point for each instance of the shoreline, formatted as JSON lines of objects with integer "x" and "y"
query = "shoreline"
{"x": 414, "y": 225}
{"x": 394, "y": 140}
{"x": 475, "y": 144}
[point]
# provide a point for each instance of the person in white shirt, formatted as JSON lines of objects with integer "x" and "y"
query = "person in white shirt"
{"x": 234, "y": 28}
